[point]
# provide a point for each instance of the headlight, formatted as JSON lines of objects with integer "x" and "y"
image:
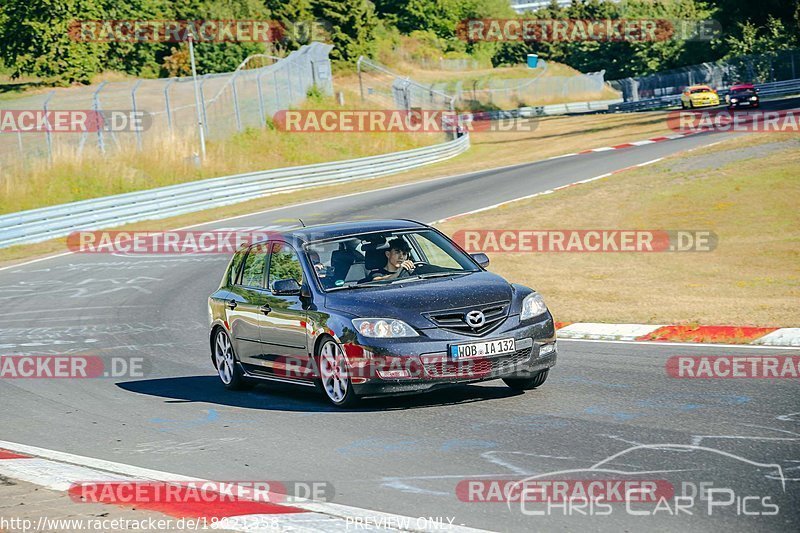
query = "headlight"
{"x": 383, "y": 328}
{"x": 754, "y": 98}
{"x": 734, "y": 100}
{"x": 533, "y": 305}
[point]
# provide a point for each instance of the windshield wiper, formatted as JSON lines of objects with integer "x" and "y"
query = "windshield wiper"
{"x": 442, "y": 274}
{"x": 430, "y": 275}
{"x": 357, "y": 286}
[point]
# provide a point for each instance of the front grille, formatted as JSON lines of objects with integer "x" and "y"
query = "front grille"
{"x": 455, "y": 319}
{"x": 475, "y": 368}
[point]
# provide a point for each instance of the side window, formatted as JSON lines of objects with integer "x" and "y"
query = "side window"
{"x": 284, "y": 264}
{"x": 254, "y": 266}
{"x": 236, "y": 267}
{"x": 436, "y": 256}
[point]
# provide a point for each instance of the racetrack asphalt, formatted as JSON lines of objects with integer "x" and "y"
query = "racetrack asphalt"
{"x": 399, "y": 455}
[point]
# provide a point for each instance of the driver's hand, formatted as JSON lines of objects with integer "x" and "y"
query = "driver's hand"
{"x": 408, "y": 265}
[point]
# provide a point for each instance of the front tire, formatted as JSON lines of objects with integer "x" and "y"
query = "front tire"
{"x": 225, "y": 362}
{"x": 334, "y": 375}
{"x": 528, "y": 383}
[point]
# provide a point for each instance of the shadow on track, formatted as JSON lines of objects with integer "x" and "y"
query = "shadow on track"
{"x": 280, "y": 397}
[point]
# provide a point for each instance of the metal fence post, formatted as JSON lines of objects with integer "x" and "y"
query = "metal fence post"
{"x": 260, "y": 98}
{"x": 96, "y": 109}
{"x": 236, "y": 103}
{"x": 166, "y": 103}
{"x": 47, "y": 129}
{"x": 277, "y": 91}
{"x": 133, "y": 105}
{"x": 21, "y": 149}
{"x": 289, "y": 83}
{"x": 203, "y": 103}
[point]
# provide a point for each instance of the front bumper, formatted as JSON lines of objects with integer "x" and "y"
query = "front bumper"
{"x": 431, "y": 368}
{"x": 745, "y": 103}
{"x": 705, "y": 103}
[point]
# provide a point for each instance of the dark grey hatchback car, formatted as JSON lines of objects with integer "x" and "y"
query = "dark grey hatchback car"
{"x": 371, "y": 308}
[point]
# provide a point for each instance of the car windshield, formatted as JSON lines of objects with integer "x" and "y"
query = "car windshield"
{"x": 700, "y": 90}
{"x": 371, "y": 259}
{"x": 742, "y": 92}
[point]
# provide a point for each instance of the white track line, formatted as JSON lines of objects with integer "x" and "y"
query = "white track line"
{"x": 62, "y": 469}
{"x": 686, "y": 344}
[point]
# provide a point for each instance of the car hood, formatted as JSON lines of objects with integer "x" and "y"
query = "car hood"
{"x": 407, "y": 301}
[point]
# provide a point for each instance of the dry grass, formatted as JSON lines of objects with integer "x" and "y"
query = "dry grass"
{"x": 164, "y": 162}
{"x": 478, "y": 78}
{"x": 424, "y": 75}
{"x": 752, "y": 278}
{"x": 553, "y": 136}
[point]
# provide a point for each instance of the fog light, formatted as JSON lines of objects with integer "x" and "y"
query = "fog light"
{"x": 546, "y": 349}
{"x": 393, "y": 374}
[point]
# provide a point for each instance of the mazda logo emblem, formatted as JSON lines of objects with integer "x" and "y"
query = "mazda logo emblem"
{"x": 475, "y": 319}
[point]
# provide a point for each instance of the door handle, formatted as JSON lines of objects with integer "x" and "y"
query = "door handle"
{"x": 266, "y": 309}
{"x": 231, "y": 304}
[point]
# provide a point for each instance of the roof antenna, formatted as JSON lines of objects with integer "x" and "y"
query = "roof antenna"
{"x": 301, "y": 222}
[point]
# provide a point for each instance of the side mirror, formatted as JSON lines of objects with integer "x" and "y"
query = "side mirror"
{"x": 286, "y": 287}
{"x": 481, "y": 258}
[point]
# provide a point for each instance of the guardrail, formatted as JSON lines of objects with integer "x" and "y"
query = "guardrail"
{"x": 38, "y": 225}
{"x": 778, "y": 88}
{"x": 571, "y": 107}
{"x": 538, "y": 111}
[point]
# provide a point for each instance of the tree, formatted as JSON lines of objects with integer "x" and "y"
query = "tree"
{"x": 297, "y": 19}
{"x": 752, "y": 39}
{"x": 352, "y": 24}
{"x": 215, "y": 56}
{"x": 35, "y": 39}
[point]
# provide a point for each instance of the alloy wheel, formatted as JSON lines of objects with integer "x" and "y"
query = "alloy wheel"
{"x": 334, "y": 373}
{"x": 223, "y": 357}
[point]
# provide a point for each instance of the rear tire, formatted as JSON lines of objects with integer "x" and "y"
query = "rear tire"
{"x": 334, "y": 375}
{"x": 229, "y": 372}
{"x": 530, "y": 383}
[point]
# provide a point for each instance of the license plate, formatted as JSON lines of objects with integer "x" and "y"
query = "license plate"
{"x": 482, "y": 349}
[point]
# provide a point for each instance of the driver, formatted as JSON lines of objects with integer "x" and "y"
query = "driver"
{"x": 396, "y": 261}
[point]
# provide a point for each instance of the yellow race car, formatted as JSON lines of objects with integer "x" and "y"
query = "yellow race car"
{"x": 699, "y": 96}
